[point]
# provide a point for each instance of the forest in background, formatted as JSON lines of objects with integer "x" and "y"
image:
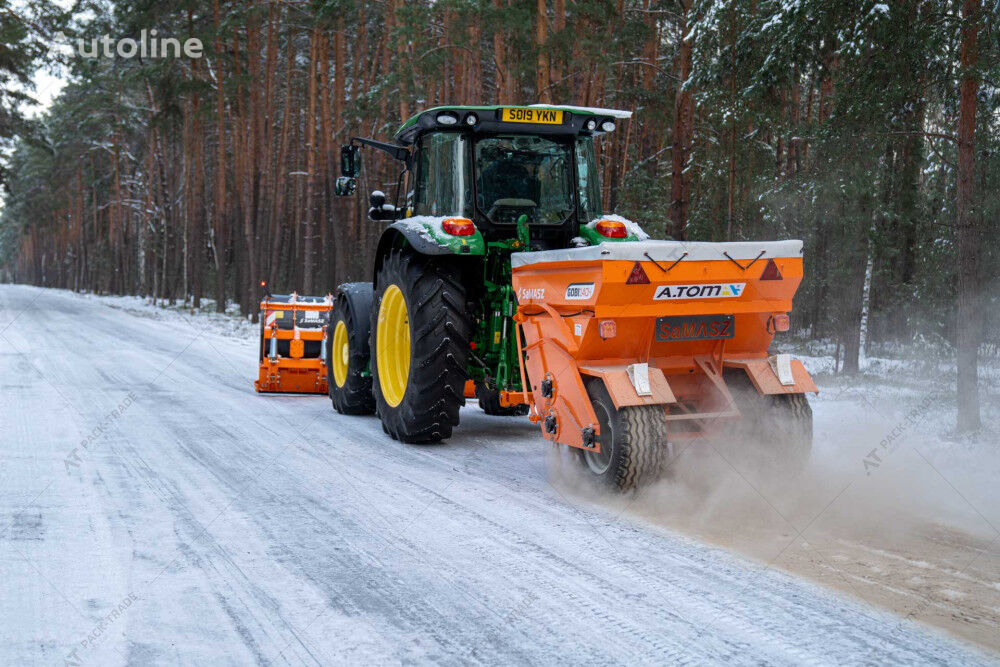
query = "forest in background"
{"x": 867, "y": 129}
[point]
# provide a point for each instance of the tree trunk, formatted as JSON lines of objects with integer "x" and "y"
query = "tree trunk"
{"x": 969, "y": 312}
{"x": 541, "y": 37}
{"x": 219, "y": 225}
{"x": 683, "y": 121}
{"x": 309, "y": 230}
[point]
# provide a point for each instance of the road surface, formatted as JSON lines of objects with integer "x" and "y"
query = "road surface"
{"x": 157, "y": 511}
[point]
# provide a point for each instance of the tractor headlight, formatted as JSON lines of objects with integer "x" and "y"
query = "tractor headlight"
{"x": 471, "y": 119}
{"x": 591, "y": 125}
{"x": 446, "y": 119}
{"x": 608, "y": 126}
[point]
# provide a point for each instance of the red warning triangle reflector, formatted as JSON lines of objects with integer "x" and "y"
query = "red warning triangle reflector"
{"x": 638, "y": 276}
{"x": 771, "y": 271}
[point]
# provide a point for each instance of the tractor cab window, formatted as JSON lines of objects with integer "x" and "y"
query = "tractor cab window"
{"x": 588, "y": 184}
{"x": 524, "y": 175}
{"x": 442, "y": 184}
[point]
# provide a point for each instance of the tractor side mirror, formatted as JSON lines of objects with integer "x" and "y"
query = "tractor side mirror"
{"x": 350, "y": 161}
{"x": 380, "y": 211}
{"x": 350, "y": 169}
{"x": 345, "y": 186}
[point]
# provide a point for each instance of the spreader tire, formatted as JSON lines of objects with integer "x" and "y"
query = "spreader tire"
{"x": 789, "y": 422}
{"x": 775, "y": 430}
{"x": 489, "y": 401}
{"x": 637, "y": 435}
{"x": 347, "y": 352}
{"x": 419, "y": 366}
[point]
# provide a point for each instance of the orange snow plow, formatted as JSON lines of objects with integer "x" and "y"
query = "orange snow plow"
{"x": 613, "y": 329}
{"x": 292, "y": 331}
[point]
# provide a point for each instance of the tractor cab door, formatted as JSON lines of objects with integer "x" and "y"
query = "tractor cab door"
{"x": 443, "y": 186}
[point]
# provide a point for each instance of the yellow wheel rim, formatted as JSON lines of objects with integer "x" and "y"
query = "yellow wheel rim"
{"x": 392, "y": 345}
{"x": 338, "y": 354}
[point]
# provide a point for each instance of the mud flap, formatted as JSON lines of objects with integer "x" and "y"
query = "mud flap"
{"x": 622, "y": 390}
{"x": 766, "y": 381}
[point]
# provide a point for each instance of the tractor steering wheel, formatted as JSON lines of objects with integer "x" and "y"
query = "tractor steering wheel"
{"x": 509, "y": 209}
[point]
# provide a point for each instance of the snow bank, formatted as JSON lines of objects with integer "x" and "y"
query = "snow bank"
{"x": 230, "y": 323}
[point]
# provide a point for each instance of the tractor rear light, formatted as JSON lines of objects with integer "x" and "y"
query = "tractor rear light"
{"x": 611, "y": 229}
{"x": 771, "y": 271}
{"x": 638, "y": 276}
{"x": 608, "y": 329}
{"x": 781, "y": 322}
{"x": 458, "y": 226}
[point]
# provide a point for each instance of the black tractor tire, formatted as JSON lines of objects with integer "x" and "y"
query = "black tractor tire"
{"x": 775, "y": 429}
{"x": 440, "y": 329}
{"x": 353, "y": 307}
{"x": 489, "y": 401}
{"x": 637, "y": 436}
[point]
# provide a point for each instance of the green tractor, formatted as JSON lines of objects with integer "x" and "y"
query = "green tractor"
{"x": 484, "y": 181}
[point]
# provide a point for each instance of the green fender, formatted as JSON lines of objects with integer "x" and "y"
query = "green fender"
{"x": 426, "y": 238}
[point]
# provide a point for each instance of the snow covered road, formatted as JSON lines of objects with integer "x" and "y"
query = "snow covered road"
{"x": 156, "y": 510}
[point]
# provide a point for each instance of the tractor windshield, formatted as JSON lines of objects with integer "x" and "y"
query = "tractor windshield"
{"x": 524, "y": 175}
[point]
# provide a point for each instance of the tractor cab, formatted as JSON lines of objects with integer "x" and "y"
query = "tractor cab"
{"x": 499, "y": 168}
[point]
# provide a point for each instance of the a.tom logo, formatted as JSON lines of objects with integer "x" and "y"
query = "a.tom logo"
{"x": 710, "y": 291}
{"x": 533, "y": 294}
{"x": 579, "y": 291}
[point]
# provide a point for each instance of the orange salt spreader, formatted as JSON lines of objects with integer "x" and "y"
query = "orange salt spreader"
{"x": 292, "y": 331}
{"x": 661, "y": 323}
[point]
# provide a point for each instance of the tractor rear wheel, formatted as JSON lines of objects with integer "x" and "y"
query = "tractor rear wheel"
{"x": 489, "y": 401}
{"x": 634, "y": 444}
{"x": 347, "y": 353}
{"x": 419, "y": 341}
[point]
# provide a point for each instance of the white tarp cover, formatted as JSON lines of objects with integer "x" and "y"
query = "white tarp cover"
{"x": 663, "y": 251}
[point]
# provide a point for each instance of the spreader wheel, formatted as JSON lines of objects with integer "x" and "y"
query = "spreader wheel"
{"x": 347, "y": 353}
{"x": 419, "y": 341}
{"x": 788, "y": 421}
{"x": 774, "y": 432}
{"x": 634, "y": 446}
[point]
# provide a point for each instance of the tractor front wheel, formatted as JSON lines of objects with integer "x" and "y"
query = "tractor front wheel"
{"x": 419, "y": 342}
{"x": 347, "y": 354}
{"x": 634, "y": 444}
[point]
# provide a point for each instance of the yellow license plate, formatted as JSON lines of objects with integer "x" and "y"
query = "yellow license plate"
{"x": 545, "y": 116}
